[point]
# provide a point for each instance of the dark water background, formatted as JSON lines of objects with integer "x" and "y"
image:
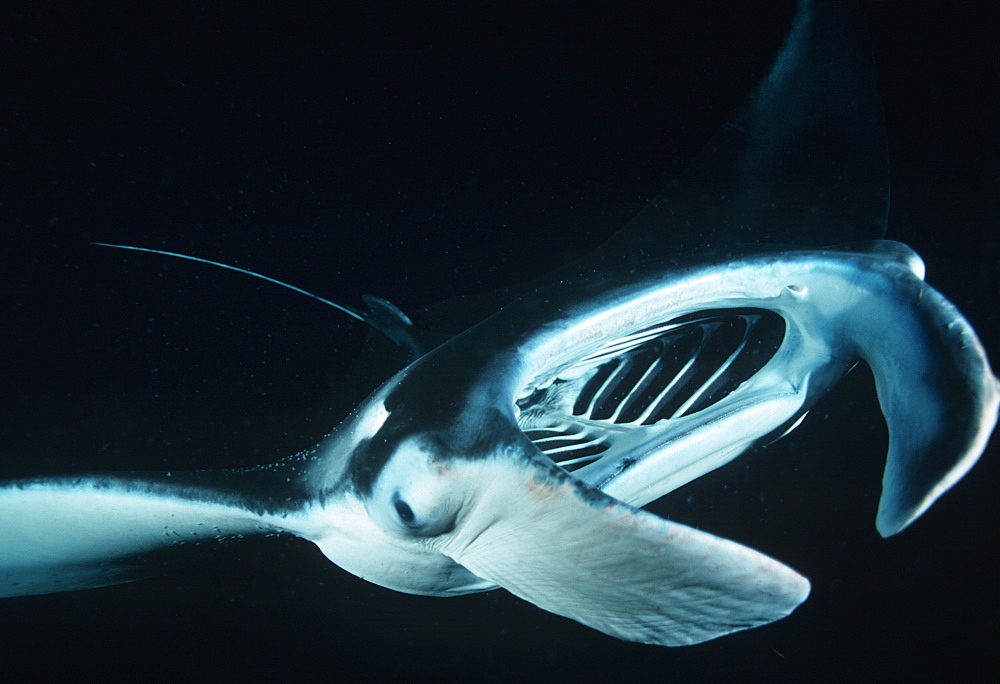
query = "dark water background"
{"x": 421, "y": 154}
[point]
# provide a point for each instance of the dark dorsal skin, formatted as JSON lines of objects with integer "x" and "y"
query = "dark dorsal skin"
{"x": 803, "y": 163}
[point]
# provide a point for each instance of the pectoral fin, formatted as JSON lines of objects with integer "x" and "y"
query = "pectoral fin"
{"x": 63, "y": 534}
{"x": 576, "y": 552}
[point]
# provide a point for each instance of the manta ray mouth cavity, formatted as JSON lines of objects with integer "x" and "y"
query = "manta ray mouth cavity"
{"x": 662, "y": 372}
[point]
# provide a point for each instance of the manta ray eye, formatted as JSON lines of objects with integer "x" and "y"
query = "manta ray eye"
{"x": 423, "y": 518}
{"x": 403, "y": 510}
{"x": 415, "y": 495}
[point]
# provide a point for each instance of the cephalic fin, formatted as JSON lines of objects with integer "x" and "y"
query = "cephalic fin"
{"x": 576, "y": 552}
{"x": 937, "y": 392}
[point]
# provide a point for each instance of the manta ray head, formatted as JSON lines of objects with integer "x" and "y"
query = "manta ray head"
{"x": 451, "y": 492}
{"x": 404, "y": 495}
{"x": 449, "y": 508}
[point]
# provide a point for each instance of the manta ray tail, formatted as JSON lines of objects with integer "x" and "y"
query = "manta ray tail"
{"x": 382, "y": 315}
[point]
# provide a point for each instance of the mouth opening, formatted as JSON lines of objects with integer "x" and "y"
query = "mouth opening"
{"x": 663, "y": 372}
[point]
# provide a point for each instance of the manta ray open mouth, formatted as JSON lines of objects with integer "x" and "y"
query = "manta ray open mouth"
{"x": 660, "y": 373}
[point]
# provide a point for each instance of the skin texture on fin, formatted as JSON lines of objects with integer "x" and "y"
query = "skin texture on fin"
{"x": 615, "y": 568}
{"x": 166, "y": 390}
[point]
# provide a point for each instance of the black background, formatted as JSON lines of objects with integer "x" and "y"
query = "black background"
{"x": 420, "y": 153}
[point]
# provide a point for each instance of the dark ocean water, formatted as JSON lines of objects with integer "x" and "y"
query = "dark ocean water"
{"x": 421, "y": 154}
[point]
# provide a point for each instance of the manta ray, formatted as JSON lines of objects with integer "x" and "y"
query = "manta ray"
{"x": 517, "y": 443}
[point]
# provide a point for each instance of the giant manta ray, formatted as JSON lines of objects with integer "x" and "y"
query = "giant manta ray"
{"x": 517, "y": 453}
